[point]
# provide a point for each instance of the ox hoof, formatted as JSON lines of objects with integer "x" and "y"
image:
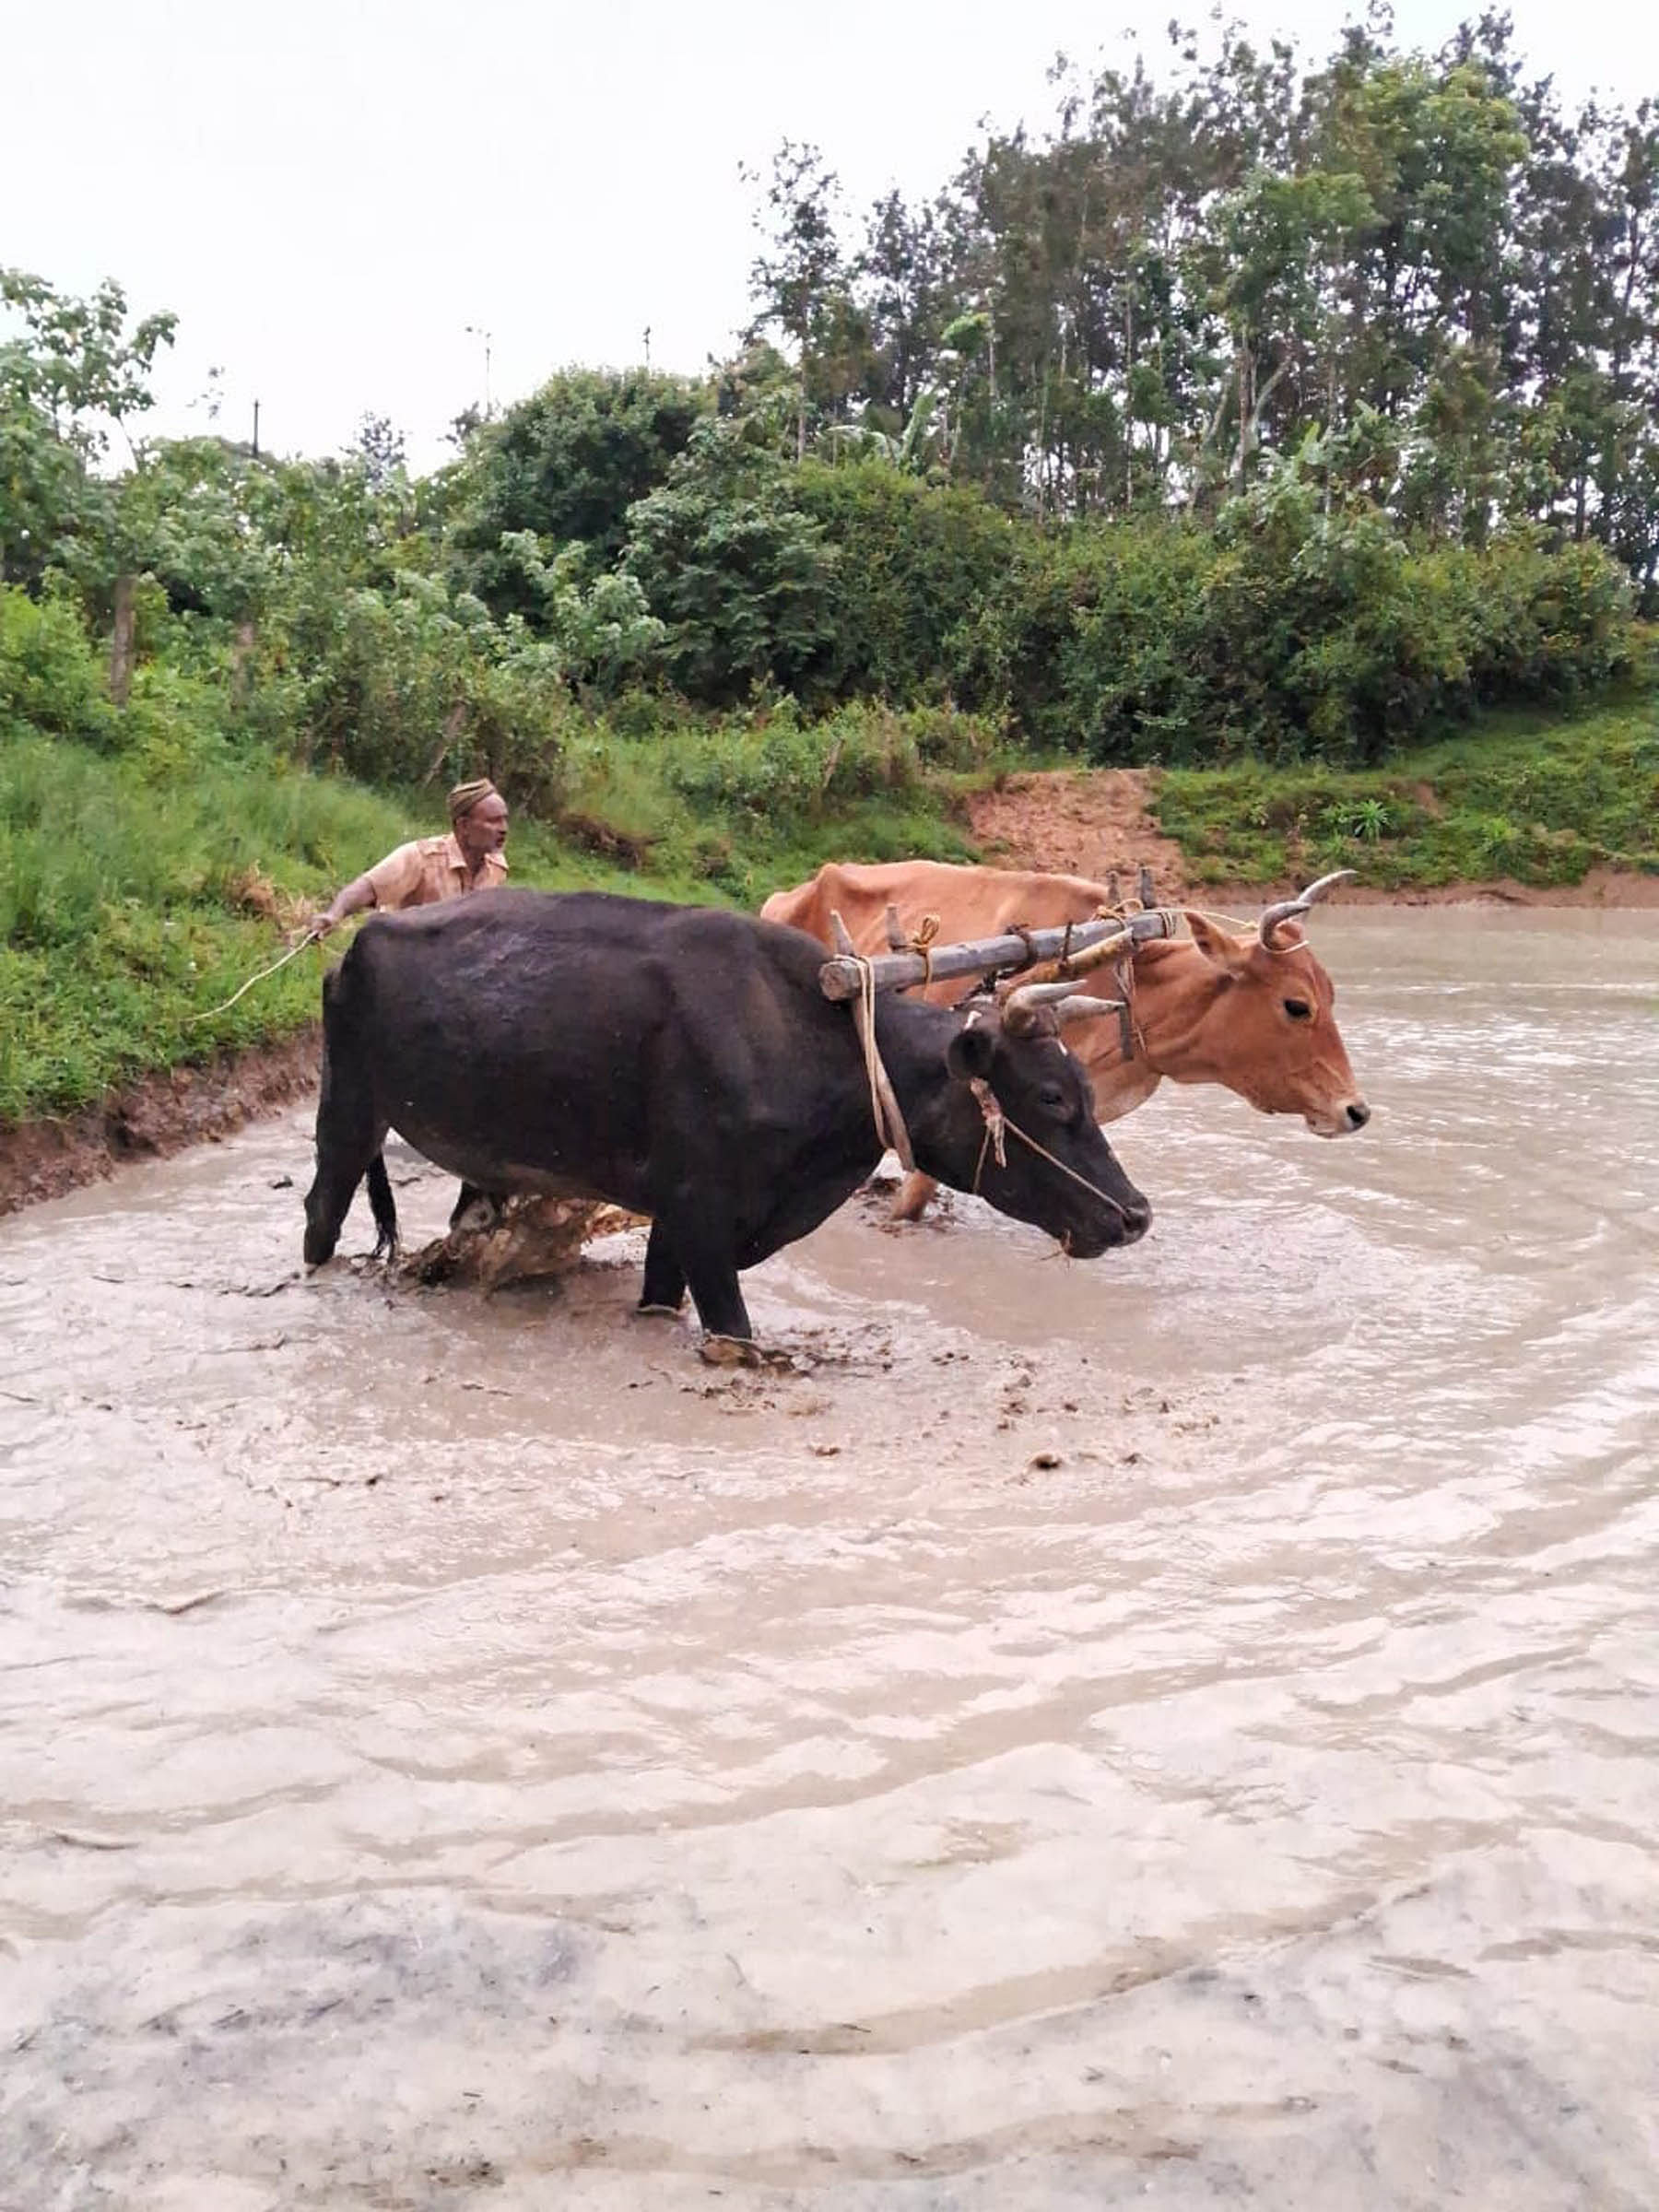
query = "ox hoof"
{"x": 731, "y": 1351}
{"x": 647, "y": 1312}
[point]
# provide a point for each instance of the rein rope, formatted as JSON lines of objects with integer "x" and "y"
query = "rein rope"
{"x": 998, "y": 1127}
{"x": 312, "y": 937}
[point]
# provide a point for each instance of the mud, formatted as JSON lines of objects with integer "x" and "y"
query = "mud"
{"x": 153, "y": 1118}
{"x": 1176, "y": 1729}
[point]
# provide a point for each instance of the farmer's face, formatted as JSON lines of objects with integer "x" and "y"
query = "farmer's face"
{"x": 484, "y": 830}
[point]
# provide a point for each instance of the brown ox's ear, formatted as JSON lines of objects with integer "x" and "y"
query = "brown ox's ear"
{"x": 972, "y": 1052}
{"x": 1218, "y": 945}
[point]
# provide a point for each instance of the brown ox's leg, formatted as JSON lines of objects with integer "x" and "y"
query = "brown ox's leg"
{"x": 915, "y": 1195}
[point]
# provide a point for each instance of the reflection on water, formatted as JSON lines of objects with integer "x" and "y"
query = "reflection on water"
{"x": 1179, "y": 1728}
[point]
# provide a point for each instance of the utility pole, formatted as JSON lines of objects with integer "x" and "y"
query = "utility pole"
{"x": 648, "y": 349}
{"x": 475, "y": 330}
{"x": 255, "y": 429}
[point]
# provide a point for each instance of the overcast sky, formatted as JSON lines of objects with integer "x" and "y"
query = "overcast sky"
{"x": 329, "y": 192}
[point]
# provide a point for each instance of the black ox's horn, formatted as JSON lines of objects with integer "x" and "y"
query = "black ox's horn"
{"x": 1021, "y": 1007}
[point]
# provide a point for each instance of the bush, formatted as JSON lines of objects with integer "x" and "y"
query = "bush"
{"x": 1289, "y": 634}
{"x": 50, "y": 677}
{"x": 565, "y": 465}
{"x": 737, "y": 571}
{"x": 786, "y": 772}
{"x": 916, "y": 566}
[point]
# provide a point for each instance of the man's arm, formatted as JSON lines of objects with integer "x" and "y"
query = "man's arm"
{"x": 357, "y": 894}
{"x": 391, "y": 883}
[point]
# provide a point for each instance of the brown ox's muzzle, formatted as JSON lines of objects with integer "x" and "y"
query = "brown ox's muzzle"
{"x": 1341, "y": 1121}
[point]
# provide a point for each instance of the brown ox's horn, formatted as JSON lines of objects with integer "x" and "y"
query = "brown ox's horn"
{"x": 1021, "y": 1007}
{"x": 1288, "y": 909}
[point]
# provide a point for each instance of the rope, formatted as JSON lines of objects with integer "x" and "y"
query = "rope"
{"x": 885, "y": 1110}
{"x": 927, "y": 929}
{"x": 995, "y": 1128}
{"x": 312, "y": 937}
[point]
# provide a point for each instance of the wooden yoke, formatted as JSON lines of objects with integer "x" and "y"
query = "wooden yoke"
{"x": 842, "y": 977}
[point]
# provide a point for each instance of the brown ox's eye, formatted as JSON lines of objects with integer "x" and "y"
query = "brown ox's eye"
{"x": 1298, "y": 1010}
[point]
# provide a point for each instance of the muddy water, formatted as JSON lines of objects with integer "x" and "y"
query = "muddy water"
{"x": 1178, "y": 1730}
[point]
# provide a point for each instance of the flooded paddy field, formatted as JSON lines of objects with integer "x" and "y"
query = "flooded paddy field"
{"x": 1176, "y": 1729}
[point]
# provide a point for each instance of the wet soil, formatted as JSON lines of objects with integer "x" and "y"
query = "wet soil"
{"x": 158, "y": 1115}
{"x": 1178, "y": 1730}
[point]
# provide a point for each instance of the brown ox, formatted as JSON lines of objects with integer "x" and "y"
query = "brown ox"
{"x": 1251, "y": 1011}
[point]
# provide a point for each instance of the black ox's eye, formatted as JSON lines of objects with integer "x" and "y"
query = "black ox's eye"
{"x": 1298, "y": 1010}
{"x": 1053, "y": 1097}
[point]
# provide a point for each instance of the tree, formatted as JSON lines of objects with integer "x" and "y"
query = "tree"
{"x": 799, "y": 285}
{"x": 733, "y": 566}
{"x": 72, "y": 373}
{"x": 566, "y": 466}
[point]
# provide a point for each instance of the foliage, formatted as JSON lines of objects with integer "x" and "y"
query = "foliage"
{"x": 565, "y": 466}
{"x": 737, "y": 569}
{"x": 1191, "y": 271}
{"x": 1541, "y": 801}
{"x": 917, "y": 565}
{"x": 49, "y": 678}
{"x": 71, "y": 370}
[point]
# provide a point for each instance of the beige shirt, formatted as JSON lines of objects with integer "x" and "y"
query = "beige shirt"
{"x": 428, "y": 869}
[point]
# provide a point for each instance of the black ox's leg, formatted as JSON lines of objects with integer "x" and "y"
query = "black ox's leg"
{"x": 349, "y": 1137}
{"x": 664, "y": 1287}
{"x": 703, "y": 1249}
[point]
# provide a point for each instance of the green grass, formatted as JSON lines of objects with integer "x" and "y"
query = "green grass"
{"x": 138, "y": 890}
{"x": 134, "y": 898}
{"x": 1537, "y": 797}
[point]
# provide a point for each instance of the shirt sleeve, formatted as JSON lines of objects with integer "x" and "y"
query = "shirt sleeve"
{"x": 398, "y": 876}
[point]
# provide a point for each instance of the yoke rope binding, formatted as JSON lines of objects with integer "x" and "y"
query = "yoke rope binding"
{"x": 885, "y": 1109}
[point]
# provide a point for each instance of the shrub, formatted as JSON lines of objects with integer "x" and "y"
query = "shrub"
{"x": 51, "y": 676}
{"x": 916, "y": 566}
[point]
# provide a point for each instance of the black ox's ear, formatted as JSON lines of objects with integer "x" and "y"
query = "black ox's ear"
{"x": 972, "y": 1052}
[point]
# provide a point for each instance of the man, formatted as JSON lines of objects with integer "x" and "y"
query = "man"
{"x": 430, "y": 869}
{"x": 419, "y": 874}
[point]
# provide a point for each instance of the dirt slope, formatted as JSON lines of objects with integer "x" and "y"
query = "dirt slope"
{"x": 1079, "y": 822}
{"x": 1087, "y": 822}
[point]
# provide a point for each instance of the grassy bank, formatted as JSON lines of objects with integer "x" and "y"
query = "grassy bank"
{"x": 136, "y": 894}
{"x": 137, "y": 891}
{"x": 1536, "y": 797}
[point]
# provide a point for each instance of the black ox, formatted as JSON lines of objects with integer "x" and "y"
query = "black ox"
{"x": 683, "y": 1063}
